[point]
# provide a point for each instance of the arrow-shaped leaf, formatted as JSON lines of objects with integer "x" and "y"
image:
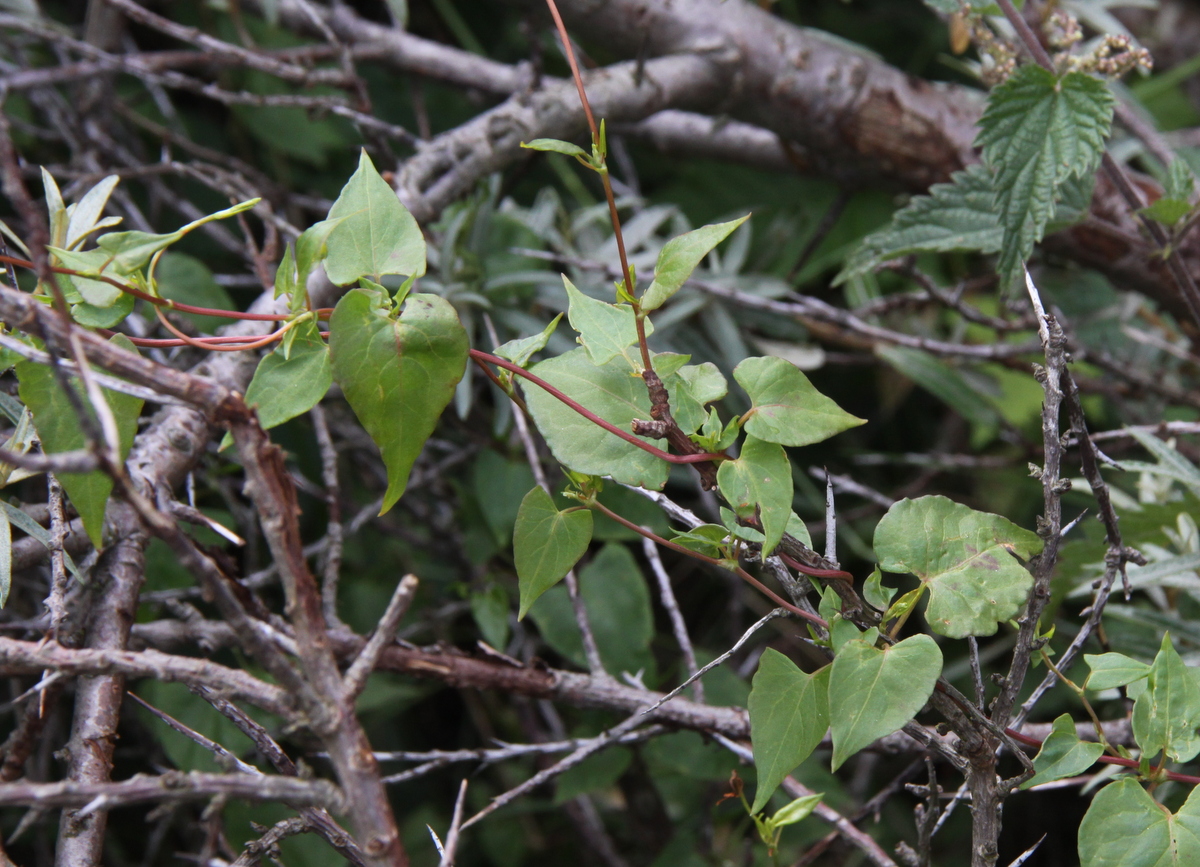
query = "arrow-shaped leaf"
{"x": 546, "y": 544}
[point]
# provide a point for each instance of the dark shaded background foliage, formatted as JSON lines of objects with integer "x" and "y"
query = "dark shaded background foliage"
{"x": 656, "y": 801}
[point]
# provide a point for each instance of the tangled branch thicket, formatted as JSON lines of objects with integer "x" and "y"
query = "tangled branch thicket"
{"x": 250, "y": 662}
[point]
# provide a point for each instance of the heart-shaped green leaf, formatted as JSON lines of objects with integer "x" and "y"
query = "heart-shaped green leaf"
{"x": 398, "y": 374}
{"x": 376, "y": 234}
{"x": 679, "y": 258}
{"x": 611, "y": 392}
{"x": 1111, "y": 670}
{"x": 546, "y": 544}
{"x": 874, "y": 692}
{"x": 59, "y": 431}
{"x": 1167, "y": 713}
{"x": 1125, "y": 827}
{"x": 283, "y": 388}
{"x": 789, "y": 714}
{"x": 605, "y": 330}
{"x": 1063, "y": 754}
{"x": 965, "y": 559}
{"x": 787, "y": 409}
{"x": 759, "y": 485}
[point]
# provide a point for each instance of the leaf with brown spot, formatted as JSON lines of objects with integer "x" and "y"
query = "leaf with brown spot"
{"x": 965, "y": 559}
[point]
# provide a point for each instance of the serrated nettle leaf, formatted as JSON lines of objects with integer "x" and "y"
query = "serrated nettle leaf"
{"x": 285, "y": 386}
{"x": 878, "y": 596}
{"x": 1110, "y": 670}
{"x": 1063, "y": 754}
{"x": 521, "y": 350}
{"x": 85, "y": 214}
{"x": 606, "y": 331}
{"x": 959, "y": 215}
{"x": 611, "y": 392}
{"x": 1125, "y": 827}
{"x": 759, "y": 485}
{"x": 874, "y": 692}
{"x": 546, "y": 544}
{"x": 375, "y": 234}
{"x": 1038, "y": 130}
{"x": 1168, "y": 211}
{"x": 94, "y": 292}
{"x": 679, "y": 258}
{"x": 789, "y": 714}
{"x": 556, "y": 146}
{"x": 787, "y": 409}
{"x": 59, "y": 430}
{"x": 1181, "y": 183}
{"x": 963, "y": 557}
{"x": 1167, "y": 714}
{"x": 398, "y": 373}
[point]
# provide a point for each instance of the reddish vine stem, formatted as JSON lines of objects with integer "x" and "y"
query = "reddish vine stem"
{"x": 1107, "y": 760}
{"x": 145, "y": 296}
{"x": 703, "y": 558}
{"x": 618, "y": 235}
{"x": 479, "y": 355}
{"x": 813, "y": 571}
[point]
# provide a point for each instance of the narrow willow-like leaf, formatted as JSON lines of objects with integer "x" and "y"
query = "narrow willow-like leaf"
{"x": 787, "y": 408}
{"x": 59, "y": 431}
{"x": 546, "y": 544}
{"x": 557, "y": 146}
{"x": 679, "y": 258}
{"x": 374, "y": 235}
{"x": 5, "y": 558}
{"x": 942, "y": 380}
{"x": 85, "y": 214}
{"x": 874, "y": 692}
{"x": 965, "y": 559}
{"x": 398, "y": 373}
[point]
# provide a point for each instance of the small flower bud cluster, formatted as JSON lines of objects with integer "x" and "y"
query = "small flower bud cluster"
{"x": 1063, "y": 30}
{"x": 998, "y": 57}
{"x": 1112, "y": 57}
